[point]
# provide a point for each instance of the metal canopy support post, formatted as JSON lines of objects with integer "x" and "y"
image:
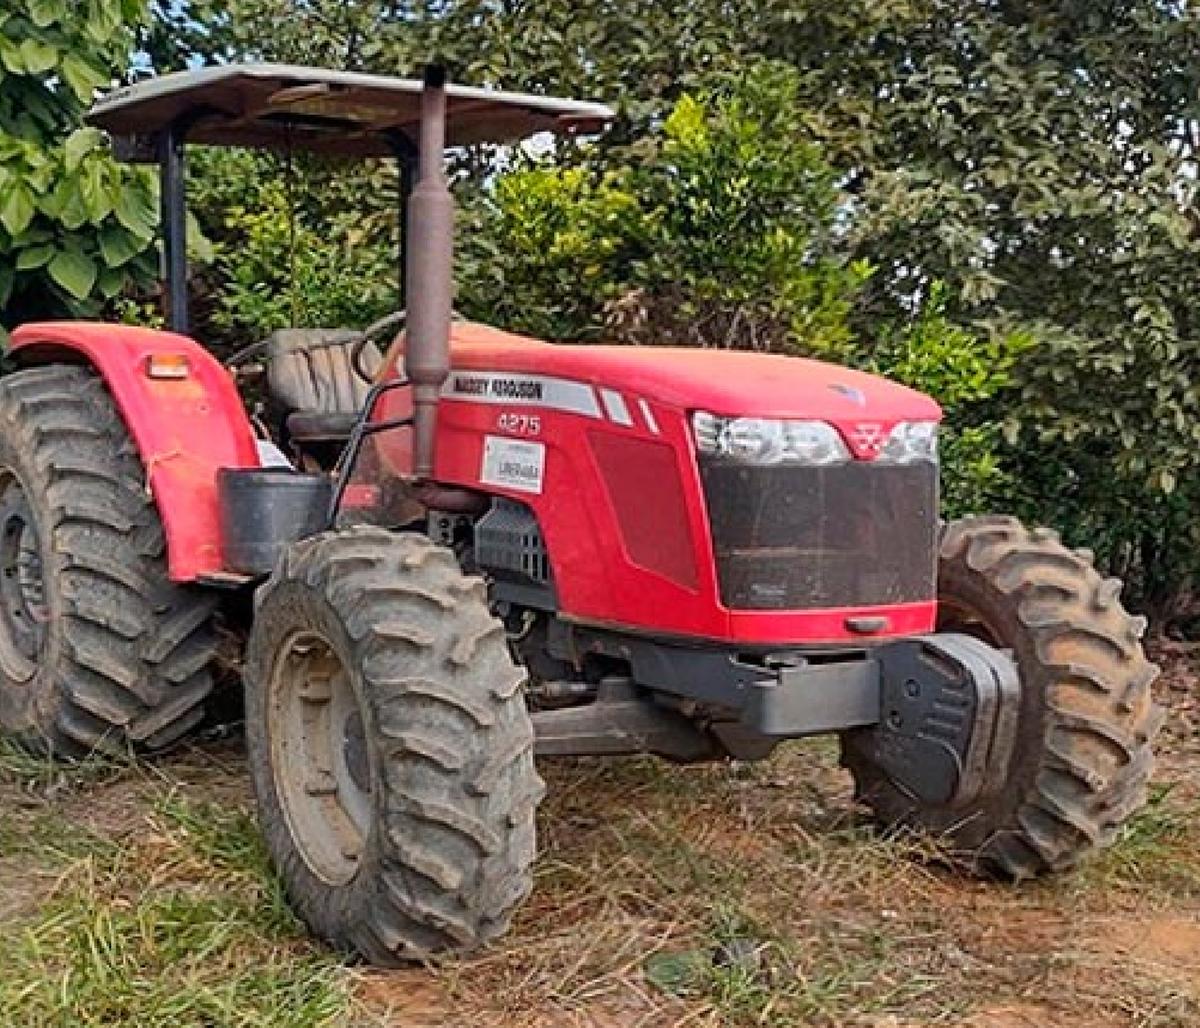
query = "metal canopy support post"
{"x": 173, "y": 169}
{"x": 406, "y": 161}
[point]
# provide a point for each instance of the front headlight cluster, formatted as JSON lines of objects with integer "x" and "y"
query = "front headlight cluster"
{"x": 766, "y": 441}
{"x": 910, "y": 441}
{"x": 771, "y": 441}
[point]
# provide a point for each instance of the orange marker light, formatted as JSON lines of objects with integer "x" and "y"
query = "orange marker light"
{"x": 167, "y": 365}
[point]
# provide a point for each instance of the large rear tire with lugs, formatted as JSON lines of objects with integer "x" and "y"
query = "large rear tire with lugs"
{"x": 98, "y": 648}
{"x": 390, "y": 748}
{"x": 1082, "y": 755}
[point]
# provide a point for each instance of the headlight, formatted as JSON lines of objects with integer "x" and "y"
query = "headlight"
{"x": 910, "y": 441}
{"x": 766, "y": 441}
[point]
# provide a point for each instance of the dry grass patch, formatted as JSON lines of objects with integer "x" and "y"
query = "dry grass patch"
{"x": 726, "y": 895}
{"x": 733, "y": 896}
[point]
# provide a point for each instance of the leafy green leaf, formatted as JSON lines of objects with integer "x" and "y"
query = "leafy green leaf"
{"x": 38, "y": 56}
{"x": 82, "y": 76}
{"x": 200, "y": 248}
{"x": 34, "y": 257}
{"x": 79, "y": 144}
{"x": 679, "y": 973}
{"x": 135, "y": 212}
{"x": 17, "y": 209}
{"x": 75, "y": 272}
{"x": 44, "y": 13}
{"x": 97, "y": 199}
{"x": 11, "y": 56}
{"x": 69, "y": 204}
{"x": 118, "y": 246}
{"x": 110, "y": 282}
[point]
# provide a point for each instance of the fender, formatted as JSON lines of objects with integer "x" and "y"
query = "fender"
{"x": 185, "y": 429}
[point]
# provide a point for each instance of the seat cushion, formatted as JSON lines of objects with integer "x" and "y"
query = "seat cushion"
{"x": 309, "y": 369}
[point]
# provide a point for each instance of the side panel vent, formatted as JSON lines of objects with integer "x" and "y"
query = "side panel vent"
{"x": 509, "y": 547}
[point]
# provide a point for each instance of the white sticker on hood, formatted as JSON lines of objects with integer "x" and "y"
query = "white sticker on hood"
{"x": 513, "y": 464}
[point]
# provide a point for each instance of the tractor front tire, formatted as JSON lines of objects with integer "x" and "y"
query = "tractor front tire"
{"x": 390, "y": 748}
{"x": 1086, "y": 719}
{"x": 98, "y": 648}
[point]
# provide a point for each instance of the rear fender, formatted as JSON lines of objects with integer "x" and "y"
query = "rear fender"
{"x": 185, "y": 429}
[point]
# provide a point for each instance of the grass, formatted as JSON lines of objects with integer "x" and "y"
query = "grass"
{"x": 1155, "y": 852}
{"x": 37, "y": 776}
{"x": 710, "y": 896}
{"x": 171, "y": 918}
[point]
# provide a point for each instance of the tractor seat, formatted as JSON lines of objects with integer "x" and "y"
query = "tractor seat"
{"x": 310, "y": 375}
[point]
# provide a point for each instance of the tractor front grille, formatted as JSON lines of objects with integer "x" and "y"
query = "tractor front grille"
{"x": 792, "y": 537}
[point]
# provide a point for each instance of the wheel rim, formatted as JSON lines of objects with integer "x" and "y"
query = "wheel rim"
{"x": 319, "y": 758}
{"x": 24, "y": 613}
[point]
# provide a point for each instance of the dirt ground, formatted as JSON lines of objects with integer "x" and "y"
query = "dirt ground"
{"x": 725, "y": 895}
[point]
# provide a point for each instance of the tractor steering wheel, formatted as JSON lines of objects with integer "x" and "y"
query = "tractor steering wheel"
{"x": 389, "y": 324}
{"x": 386, "y": 326}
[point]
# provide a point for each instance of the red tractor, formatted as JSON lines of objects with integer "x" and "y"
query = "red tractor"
{"x": 466, "y": 548}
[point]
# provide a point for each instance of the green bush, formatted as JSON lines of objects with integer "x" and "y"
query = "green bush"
{"x": 291, "y": 248}
{"x": 76, "y": 228}
{"x": 739, "y": 246}
{"x": 723, "y": 234}
{"x": 720, "y": 233}
{"x": 543, "y": 252}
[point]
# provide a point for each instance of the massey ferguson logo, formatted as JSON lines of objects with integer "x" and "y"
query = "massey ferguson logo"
{"x": 867, "y": 438}
{"x": 496, "y": 387}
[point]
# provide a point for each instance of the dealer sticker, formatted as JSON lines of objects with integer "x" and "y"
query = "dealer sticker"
{"x": 513, "y": 464}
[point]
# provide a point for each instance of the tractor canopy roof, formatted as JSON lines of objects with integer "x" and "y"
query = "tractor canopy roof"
{"x": 286, "y": 107}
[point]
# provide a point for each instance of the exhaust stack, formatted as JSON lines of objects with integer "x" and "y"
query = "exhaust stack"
{"x": 429, "y": 269}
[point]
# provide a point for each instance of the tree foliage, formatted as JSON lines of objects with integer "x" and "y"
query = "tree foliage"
{"x": 75, "y": 227}
{"x": 290, "y": 248}
{"x": 1019, "y": 177}
{"x": 719, "y": 233}
{"x": 1041, "y": 160}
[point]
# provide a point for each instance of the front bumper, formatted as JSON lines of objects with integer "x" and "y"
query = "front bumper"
{"x": 936, "y": 713}
{"x": 786, "y": 693}
{"x": 814, "y": 698}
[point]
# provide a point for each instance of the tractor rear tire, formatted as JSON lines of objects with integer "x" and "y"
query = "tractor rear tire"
{"x": 98, "y": 648}
{"x": 390, "y": 748}
{"x": 1083, "y": 754}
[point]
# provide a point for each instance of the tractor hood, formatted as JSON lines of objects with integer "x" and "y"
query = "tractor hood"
{"x": 722, "y": 382}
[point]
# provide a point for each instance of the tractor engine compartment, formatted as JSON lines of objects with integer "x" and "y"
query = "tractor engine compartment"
{"x": 937, "y": 711}
{"x": 603, "y": 492}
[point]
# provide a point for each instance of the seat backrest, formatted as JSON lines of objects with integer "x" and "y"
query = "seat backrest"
{"x": 309, "y": 369}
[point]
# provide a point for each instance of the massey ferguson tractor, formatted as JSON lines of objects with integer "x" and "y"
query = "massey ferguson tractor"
{"x": 467, "y": 549}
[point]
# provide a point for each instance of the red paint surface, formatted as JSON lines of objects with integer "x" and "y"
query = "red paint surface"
{"x": 185, "y": 430}
{"x": 719, "y": 381}
{"x": 597, "y": 580}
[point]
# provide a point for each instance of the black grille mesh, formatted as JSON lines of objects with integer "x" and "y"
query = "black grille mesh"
{"x": 790, "y": 537}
